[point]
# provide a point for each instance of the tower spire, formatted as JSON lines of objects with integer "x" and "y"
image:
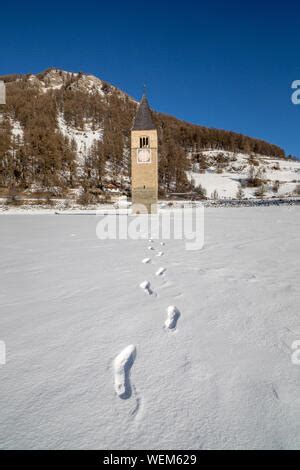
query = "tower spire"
{"x": 143, "y": 119}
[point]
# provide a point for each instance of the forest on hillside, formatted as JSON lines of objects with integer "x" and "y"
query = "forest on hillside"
{"x": 44, "y": 157}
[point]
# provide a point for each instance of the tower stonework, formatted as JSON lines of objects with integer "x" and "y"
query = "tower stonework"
{"x": 144, "y": 161}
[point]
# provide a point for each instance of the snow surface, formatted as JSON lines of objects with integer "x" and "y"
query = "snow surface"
{"x": 70, "y": 303}
{"x": 84, "y": 138}
{"x": 228, "y": 182}
{"x": 17, "y": 130}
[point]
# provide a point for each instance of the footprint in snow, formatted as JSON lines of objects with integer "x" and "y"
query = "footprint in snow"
{"x": 160, "y": 271}
{"x": 160, "y": 253}
{"x": 162, "y": 243}
{"x": 150, "y": 247}
{"x": 122, "y": 365}
{"x": 145, "y": 285}
{"x": 146, "y": 260}
{"x": 172, "y": 318}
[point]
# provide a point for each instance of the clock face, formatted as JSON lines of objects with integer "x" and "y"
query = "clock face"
{"x": 144, "y": 156}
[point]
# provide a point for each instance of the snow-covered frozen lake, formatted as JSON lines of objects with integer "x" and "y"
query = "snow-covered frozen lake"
{"x": 224, "y": 379}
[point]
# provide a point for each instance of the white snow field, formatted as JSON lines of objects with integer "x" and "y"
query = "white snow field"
{"x": 284, "y": 171}
{"x": 70, "y": 304}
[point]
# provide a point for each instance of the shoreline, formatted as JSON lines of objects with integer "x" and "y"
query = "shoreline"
{"x": 106, "y": 209}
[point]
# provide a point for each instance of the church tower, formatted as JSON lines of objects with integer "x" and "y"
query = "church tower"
{"x": 144, "y": 165}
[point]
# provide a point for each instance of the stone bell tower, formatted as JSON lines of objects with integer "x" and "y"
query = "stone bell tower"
{"x": 144, "y": 165}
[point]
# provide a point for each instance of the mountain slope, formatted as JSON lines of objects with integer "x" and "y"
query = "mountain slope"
{"x": 242, "y": 176}
{"x": 63, "y": 132}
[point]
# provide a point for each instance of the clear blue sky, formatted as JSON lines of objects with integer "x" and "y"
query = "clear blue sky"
{"x": 224, "y": 64}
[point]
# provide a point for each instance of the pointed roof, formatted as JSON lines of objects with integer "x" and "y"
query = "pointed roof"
{"x": 143, "y": 119}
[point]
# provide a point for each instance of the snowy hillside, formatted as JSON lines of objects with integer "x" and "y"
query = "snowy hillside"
{"x": 55, "y": 79}
{"x": 17, "y": 130}
{"x": 95, "y": 362}
{"x": 83, "y": 138}
{"x": 279, "y": 177}
{"x": 69, "y": 133}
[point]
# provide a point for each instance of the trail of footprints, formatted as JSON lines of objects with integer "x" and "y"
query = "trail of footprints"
{"x": 125, "y": 359}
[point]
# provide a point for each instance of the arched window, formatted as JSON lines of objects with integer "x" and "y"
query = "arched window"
{"x": 144, "y": 142}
